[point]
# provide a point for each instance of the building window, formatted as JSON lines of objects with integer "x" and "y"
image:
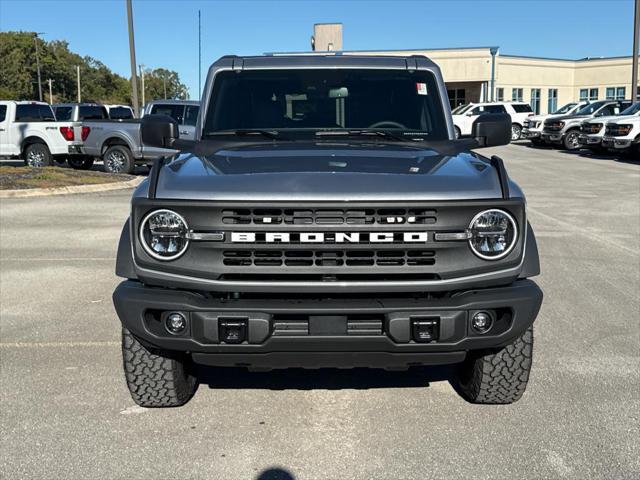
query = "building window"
{"x": 615, "y": 93}
{"x": 590, "y": 94}
{"x": 500, "y": 94}
{"x": 456, "y": 97}
{"x": 552, "y": 103}
{"x": 584, "y": 94}
{"x": 516, "y": 94}
{"x": 535, "y": 100}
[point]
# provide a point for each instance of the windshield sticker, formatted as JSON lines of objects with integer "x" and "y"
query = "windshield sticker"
{"x": 422, "y": 88}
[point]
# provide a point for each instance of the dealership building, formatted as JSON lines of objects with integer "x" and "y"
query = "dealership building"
{"x": 477, "y": 74}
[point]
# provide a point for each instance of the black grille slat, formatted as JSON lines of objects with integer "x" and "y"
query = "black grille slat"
{"x": 322, "y": 216}
{"x": 328, "y": 258}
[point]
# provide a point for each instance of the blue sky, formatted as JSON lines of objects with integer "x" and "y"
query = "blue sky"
{"x": 167, "y": 30}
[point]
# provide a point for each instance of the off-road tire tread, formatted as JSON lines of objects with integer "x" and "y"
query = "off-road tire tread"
{"x": 155, "y": 380}
{"x": 500, "y": 377}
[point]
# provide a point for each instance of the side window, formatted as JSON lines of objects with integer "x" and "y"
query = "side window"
{"x": 174, "y": 111}
{"x": 63, "y": 113}
{"x": 27, "y": 113}
{"x": 191, "y": 114}
{"x": 3, "y": 113}
{"x": 92, "y": 112}
{"x": 606, "y": 110}
{"x": 46, "y": 113}
{"x": 120, "y": 113}
{"x": 494, "y": 109}
{"x": 476, "y": 111}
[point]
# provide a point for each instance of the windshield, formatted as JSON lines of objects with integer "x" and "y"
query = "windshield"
{"x": 326, "y": 100}
{"x": 589, "y": 109}
{"x": 632, "y": 110}
{"x": 564, "y": 109}
{"x": 463, "y": 108}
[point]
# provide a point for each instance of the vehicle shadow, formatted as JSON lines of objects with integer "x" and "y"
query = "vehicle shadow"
{"x": 275, "y": 473}
{"x": 324, "y": 378}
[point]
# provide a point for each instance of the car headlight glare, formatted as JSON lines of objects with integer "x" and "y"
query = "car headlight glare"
{"x": 493, "y": 234}
{"x": 163, "y": 234}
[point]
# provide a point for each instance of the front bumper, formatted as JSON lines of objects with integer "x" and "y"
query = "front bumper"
{"x": 614, "y": 143}
{"x": 589, "y": 140}
{"x": 531, "y": 134}
{"x": 320, "y": 332}
{"x": 552, "y": 137}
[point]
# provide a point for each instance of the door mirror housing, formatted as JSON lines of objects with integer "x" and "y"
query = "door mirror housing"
{"x": 160, "y": 131}
{"x": 492, "y": 129}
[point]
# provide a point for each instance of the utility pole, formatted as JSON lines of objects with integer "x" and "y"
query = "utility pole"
{"x": 199, "y": 58}
{"x": 132, "y": 54}
{"x": 142, "y": 82}
{"x": 634, "y": 63}
{"x": 164, "y": 82}
{"x": 79, "y": 96}
{"x": 50, "y": 91}
{"x": 35, "y": 39}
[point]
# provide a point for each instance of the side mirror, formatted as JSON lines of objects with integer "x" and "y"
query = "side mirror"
{"x": 159, "y": 131}
{"x": 492, "y": 129}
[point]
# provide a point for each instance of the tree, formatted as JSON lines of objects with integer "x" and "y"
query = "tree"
{"x": 19, "y": 78}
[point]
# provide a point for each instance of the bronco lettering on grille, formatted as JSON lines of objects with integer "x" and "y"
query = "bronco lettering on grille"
{"x": 334, "y": 237}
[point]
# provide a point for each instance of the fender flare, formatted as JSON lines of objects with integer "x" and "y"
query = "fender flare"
{"x": 531, "y": 263}
{"x": 124, "y": 259}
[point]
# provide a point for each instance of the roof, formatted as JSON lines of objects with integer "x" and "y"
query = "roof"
{"x": 332, "y": 60}
{"x": 173, "y": 101}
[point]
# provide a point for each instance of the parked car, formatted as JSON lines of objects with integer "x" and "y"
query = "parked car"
{"x": 592, "y": 131}
{"x": 325, "y": 216}
{"x": 464, "y": 117}
{"x": 622, "y": 134}
{"x": 533, "y": 125}
{"x": 565, "y": 129}
{"x": 120, "y": 112}
{"x": 185, "y": 112}
{"x": 30, "y": 131}
{"x": 118, "y": 144}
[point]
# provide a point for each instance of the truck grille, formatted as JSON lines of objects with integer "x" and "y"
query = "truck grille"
{"x": 364, "y": 216}
{"x": 328, "y": 258}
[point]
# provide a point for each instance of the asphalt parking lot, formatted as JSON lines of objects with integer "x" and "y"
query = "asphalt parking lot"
{"x": 66, "y": 413}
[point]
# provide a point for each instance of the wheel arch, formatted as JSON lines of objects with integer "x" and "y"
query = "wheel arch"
{"x": 112, "y": 141}
{"x": 30, "y": 140}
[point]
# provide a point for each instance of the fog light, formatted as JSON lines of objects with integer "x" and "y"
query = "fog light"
{"x": 481, "y": 322}
{"x": 175, "y": 323}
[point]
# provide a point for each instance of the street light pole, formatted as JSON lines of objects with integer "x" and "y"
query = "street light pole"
{"x": 636, "y": 38}
{"x": 79, "y": 96}
{"x": 50, "y": 92}
{"x": 35, "y": 39}
{"x": 132, "y": 55}
{"x": 142, "y": 83}
{"x": 164, "y": 83}
{"x": 199, "y": 58}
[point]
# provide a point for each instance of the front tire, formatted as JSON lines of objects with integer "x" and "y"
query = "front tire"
{"x": 498, "y": 377}
{"x": 516, "y": 132}
{"x": 79, "y": 162}
{"x": 37, "y": 155}
{"x": 155, "y": 379}
{"x": 457, "y": 131}
{"x": 570, "y": 140}
{"x": 118, "y": 159}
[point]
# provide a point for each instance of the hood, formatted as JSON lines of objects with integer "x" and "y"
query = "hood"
{"x": 301, "y": 171}
{"x": 556, "y": 118}
{"x": 602, "y": 119}
{"x": 624, "y": 119}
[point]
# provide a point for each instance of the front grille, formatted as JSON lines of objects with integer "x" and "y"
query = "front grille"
{"x": 329, "y": 258}
{"x": 309, "y": 216}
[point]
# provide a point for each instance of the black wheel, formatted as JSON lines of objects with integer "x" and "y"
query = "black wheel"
{"x": 118, "y": 159}
{"x": 37, "y": 155}
{"x": 80, "y": 162}
{"x": 154, "y": 378}
{"x": 458, "y": 133}
{"x": 498, "y": 377}
{"x": 570, "y": 140}
{"x": 516, "y": 132}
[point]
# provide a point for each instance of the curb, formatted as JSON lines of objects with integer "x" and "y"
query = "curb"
{"x": 42, "y": 192}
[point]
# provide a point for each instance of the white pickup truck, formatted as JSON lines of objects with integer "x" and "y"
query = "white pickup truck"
{"x": 29, "y": 130}
{"x": 622, "y": 134}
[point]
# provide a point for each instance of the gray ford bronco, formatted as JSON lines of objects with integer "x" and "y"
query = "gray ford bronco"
{"x": 326, "y": 216}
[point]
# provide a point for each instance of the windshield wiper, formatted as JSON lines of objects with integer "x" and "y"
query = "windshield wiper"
{"x": 245, "y": 132}
{"x": 372, "y": 131}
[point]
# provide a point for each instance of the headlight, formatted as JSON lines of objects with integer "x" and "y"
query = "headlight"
{"x": 163, "y": 234}
{"x": 555, "y": 125}
{"x": 623, "y": 130}
{"x": 493, "y": 234}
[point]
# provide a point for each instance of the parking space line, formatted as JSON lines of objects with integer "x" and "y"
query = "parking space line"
{"x": 8, "y": 345}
